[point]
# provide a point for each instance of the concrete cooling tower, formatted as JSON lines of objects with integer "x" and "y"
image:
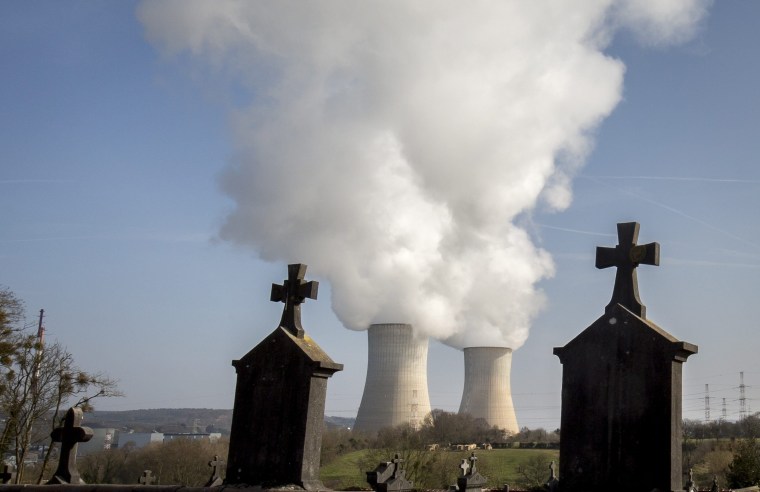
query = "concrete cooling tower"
{"x": 396, "y": 390}
{"x": 487, "y": 392}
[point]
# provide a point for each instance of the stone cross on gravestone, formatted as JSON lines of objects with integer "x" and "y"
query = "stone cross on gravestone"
{"x": 470, "y": 480}
{"x": 552, "y": 483}
{"x": 621, "y": 423}
{"x": 70, "y": 435}
{"x": 216, "y": 474}
{"x": 293, "y": 292}
{"x": 147, "y": 478}
{"x": 473, "y": 459}
{"x": 397, "y": 460}
{"x": 279, "y": 409}
{"x": 626, "y": 256}
{"x": 464, "y": 466}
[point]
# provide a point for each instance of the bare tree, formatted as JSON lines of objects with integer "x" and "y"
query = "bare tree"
{"x": 37, "y": 382}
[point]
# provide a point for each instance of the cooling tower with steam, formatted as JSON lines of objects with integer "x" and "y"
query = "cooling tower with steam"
{"x": 396, "y": 389}
{"x": 487, "y": 393}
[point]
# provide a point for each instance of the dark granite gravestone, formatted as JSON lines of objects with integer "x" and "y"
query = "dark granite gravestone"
{"x": 621, "y": 389}
{"x": 70, "y": 435}
{"x": 276, "y": 433}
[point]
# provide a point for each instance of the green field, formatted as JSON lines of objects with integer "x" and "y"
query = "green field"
{"x": 498, "y": 465}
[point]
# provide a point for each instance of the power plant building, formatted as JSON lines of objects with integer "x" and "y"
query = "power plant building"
{"x": 487, "y": 391}
{"x": 396, "y": 390}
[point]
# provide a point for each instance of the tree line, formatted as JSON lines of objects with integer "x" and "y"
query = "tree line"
{"x": 723, "y": 450}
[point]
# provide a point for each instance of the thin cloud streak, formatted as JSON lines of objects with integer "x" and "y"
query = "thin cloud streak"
{"x": 150, "y": 236}
{"x": 675, "y": 178}
{"x": 35, "y": 181}
{"x": 575, "y": 231}
{"x": 675, "y": 211}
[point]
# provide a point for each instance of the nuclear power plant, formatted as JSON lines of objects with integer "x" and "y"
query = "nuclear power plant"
{"x": 487, "y": 391}
{"x": 396, "y": 390}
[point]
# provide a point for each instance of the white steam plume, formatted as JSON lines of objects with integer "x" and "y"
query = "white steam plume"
{"x": 393, "y": 146}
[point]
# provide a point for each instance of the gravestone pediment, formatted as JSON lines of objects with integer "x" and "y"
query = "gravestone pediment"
{"x": 290, "y": 347}
{"x": 619, "y": 328}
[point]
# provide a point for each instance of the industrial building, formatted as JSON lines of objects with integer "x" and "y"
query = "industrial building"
{"x": 396, "y": 390}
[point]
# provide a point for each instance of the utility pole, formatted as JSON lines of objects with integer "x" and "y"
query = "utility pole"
{"x": 41, "y": 328}
{"x": 707, "y": 403}
{"x": 742, "y": 398}
{"x": 38, "y": 350}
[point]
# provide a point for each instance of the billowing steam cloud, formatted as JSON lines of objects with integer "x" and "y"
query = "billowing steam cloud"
{"x": 394, "y": 146}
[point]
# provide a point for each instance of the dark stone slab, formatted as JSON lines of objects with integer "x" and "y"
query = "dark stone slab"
{"x": 621, "y": 391}
{"x": 276, "y": 433}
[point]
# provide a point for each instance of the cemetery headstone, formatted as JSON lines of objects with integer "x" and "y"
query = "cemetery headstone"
{"x": 389, "y": 476}
{"x": 276, "y": 433}
{"x": 69, "y": 435}
{"x": 470, "y": 480}
{"x": 621, "y": 389}
{"x": 146, "y": 478}
{"x": 216, "y": 472}
{"x": 690, "y": 485}
{"x": 552, "y": 483}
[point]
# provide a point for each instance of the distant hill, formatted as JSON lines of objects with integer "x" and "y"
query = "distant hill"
{"x": 177, "y": 420}
{"x": 164, "y": 420}
{"x": 344, "y": 422}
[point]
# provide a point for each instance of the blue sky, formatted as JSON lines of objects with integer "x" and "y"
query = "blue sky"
{"x": 110, "y": 157}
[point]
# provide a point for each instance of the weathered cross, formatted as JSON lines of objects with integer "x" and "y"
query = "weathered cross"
{"x": 397, "y": 460}
{"x": 147, "y": 478}
{"x": 70, "y": 435}
{"x": 293, "y": 292}
{"x": 216, "y": 475}
{"x": 464, "y": 466}
{"x": 473, "y": 459}
{"x": 626, "y": 256}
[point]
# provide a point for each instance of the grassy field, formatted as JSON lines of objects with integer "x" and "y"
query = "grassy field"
{"x": 498, "y": 465}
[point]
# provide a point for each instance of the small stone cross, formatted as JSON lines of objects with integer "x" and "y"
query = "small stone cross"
{"x": 8, "y": 474}
{"x": 147, "y": 478}
{"x": 626, "y": 256}
{"x": 216, "y": 475}
{"x": 552, "y": 484}
{"x": 293, "y": 292}
{"x": 70, "y": 435}
{"x": 397, "y": 460}
{"x": 473, "y": 459}
{"x": 464, "y": 466}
